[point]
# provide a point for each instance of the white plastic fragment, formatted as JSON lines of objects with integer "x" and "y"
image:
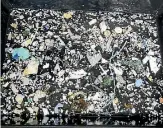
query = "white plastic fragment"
{"x": 90, "y": 108}
{"x": 25, "y": 81}
{"x": 130, "y": 86}
{"x": 57, "y": 68}
{"x": 151, "y": 53}
{"x": 39, "y": 94}
{"x": 9, "y": 36}
{"x": 134, "y": 72}
{"x": 17, "y": 111}
{"x": 6, "y": 84}
{"x": 134, "y": 58}
{"x": 45, "y": 111}
{"x": 120, "y": 79}
{"x": 42, "y": 46}
{"x": 30, "y": 110}
{"x": 93, "y": 60}
{"x": 118, "y": 71}
{"x": 61, "y": 73}
{"x": 46, "y": 66}
{"x": 77, "y": 74}
{"x": 35, "y": 109}
{"x": 145, "y": 60}
{"x": 13, "y": 88}
{"x": 153, "y": 64}
{"x": 93, "y": 47}
{"x": 154, "y": 104}
{"x": 59, "y": 105}
{"x": 103, "y": 26}
{"x": 103, "y": 61}
{"x": 19, "y": 98}
{"x": 64, "y": 97}
{"x": 45, "y": 119}
{"x": 21, "y": 17}
{"x": 93, "y": 21}
{"x": 49, "y": 33}
{"x": 133, "y": 110}
{"x": 118, "y": 30}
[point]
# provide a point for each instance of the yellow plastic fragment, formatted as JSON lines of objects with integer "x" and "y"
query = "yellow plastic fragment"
{"x": 107, "y": 33}
{"x": 150, "y": 78}
{"x": 27, "y": 42}
{"x": 1, "y": 79}
{"x": 115, "y": 101}
{"x": 128, "y": 105}
{"x": 14, "y": 25}
{"x": 67, "y": 15}
{"x": 32, "y": 68}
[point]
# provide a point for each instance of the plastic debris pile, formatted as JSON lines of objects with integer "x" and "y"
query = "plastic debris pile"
{"x": 81, "y": 62}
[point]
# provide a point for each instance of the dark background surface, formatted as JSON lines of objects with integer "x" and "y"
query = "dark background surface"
{"x": 125, "y": 5}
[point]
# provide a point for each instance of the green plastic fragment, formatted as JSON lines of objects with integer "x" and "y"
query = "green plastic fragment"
{"x": 107, "y": 81}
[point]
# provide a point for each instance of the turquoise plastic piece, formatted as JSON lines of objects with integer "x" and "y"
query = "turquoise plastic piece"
{"x": 20, "y": 53}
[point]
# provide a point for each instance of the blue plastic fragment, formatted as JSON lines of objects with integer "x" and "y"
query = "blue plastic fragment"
{"x": 20, "y": 53}
{"x": 138, "y": 82}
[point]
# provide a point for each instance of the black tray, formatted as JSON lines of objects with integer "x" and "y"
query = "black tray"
{"x": 106, "y": 5}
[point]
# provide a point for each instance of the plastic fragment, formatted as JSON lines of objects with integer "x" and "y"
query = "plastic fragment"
{"x": 118, "y": 30}
{"x": 77, "y": 74}
{"x": 6, "y": 84}
{"x": 19, "y": 98}
{"x": 67, "y": 15}
{"x": 17, "y": 111}
{"x": 61, "y": 73}
{"x": 13, "y": 88}
{"x": 93, "y": 21}
{"x": 42, "y": 46}
{"x": 130, "y": 86}
{"x": 32, "y": 68}
{"x": 138, "y": 82}
{"x": 153, "y": 64}
{"x": 103, "y": 26}
{"x": 107, "y": 81}
{"x": 45, "y": 111}
{"x": 145, "y": 60}
{"x": 150, "y": 78}
{"x": 59, "y": 105}
{"x": 9, "y": 36}
{"x": 27, "y": 42}
{"x": 39, "y": 94}
{"x": 107, "y": 33}
{"x": 25, "y": 81}
{"x": 90, "y": 108}
{"x": 20, "y": 53}
{"x": 46, "y": 65}
{"x": 128, "y": 105}
{"x": 103, "y": 61}
{"x": 30, "y": 110}
{"x": 161, "y": 100}
{"x": 26, "y": 32}
{"x": 14, "y": 25}
{"x": 49, "y": 33}
{"x": 115, "y": 101}
{"x": 118, "y": 71}
{"x": 133, "y": 110}
{"x": 21, "y": 17}
{"x": 93, "y": 60}
{"x": 120, "y": 79}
